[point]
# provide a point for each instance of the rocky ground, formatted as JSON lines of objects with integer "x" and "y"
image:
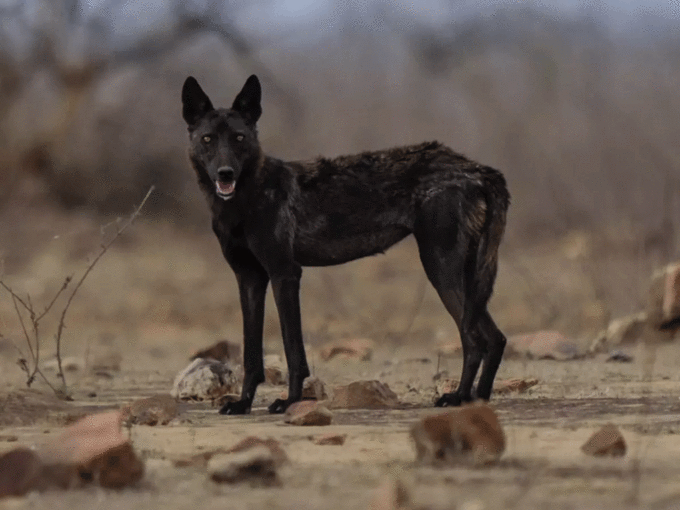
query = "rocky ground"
{"x": 155, "y": 299}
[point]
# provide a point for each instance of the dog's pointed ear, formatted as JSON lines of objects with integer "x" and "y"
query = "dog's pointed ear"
{"x": 247, "y": 103}
{"x": 195, "y": 102}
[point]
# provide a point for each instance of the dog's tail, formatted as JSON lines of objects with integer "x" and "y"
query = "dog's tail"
{"x": 482, "y": 262}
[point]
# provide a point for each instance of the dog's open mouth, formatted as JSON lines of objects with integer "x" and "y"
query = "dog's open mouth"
{"x": 225, "y": 190}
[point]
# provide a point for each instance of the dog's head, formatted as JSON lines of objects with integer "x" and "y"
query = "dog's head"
{"x": 223, "y": 141}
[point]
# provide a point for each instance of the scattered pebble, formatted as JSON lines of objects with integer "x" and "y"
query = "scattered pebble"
{"x": 115, "y": 468}
{"x": 91, "y": 451}
{"x": 255, "y": 466}
{"x": 247, "y": 443}
{"x": 205, "y": 379}
{"x": 308, "y": 412}
{"x": 364, "y": 395}
{"x": 619, "y": 357}
{"x": 608, "y": 441}
{"x": 514, "y": 386}
{"x": 471, "y": 432}
{"x": 156, "y": 410}
{"x": 358, "y": 349}
{"x": 330, "y": 439}
{"x": 277, "y": 451}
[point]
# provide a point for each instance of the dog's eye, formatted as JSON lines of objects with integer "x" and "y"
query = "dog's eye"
{"x": 239, "y": 138}
{"x": 207, "y": 139}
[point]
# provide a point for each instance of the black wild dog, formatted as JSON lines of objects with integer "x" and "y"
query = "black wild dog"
{"x": 272, "y": 217}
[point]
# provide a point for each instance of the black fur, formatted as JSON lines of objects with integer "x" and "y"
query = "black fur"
{"x": 273, "y": 217}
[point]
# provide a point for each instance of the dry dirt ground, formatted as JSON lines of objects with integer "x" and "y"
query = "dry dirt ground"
{"x": 156, "y": 297}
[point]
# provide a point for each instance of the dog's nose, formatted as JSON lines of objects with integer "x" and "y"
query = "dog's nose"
{"x": 225, "y": 174}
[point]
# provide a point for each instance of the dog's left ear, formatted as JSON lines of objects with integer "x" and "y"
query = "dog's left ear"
{"x": 247, "y": 103}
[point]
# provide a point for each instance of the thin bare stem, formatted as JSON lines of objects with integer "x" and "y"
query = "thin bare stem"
{"x": 104, "y": 249}
{"x": 15, "y": 296}
{"x": 54, "y": 299}
{"x": 23, "y": 327}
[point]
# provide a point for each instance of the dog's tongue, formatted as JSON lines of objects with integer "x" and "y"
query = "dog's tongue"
{"x": 224, "y": 187}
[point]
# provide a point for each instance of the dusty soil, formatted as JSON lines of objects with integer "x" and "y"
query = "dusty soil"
{"x": 156, "y": 297}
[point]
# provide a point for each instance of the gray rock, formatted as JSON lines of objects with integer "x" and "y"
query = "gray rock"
{"x": 205, "y": 379}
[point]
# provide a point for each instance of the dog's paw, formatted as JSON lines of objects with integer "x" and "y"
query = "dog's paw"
{"x": 238, "y": 407}
{"x": 279, "y": 406}
{"x": 450, "y": 400}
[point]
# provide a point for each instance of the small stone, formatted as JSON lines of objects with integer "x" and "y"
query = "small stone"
{"x": 277, "y": 451}
{"x": 364, "y": 395}
{"x": 156, "y": 410}
{"x": 312, "y": 389}
{"x": 223, "y": 351}
{"x": 205, "y": 379}
{"x": 544, "y": 345}
{"x": 22, "y": 471}
{"x": 330, "y": 439}
{"x": 619, "y": 357}
{"x": 622, "y": 331}
{"x": 308, "y": 412}
{"x": 114, "y": 468}
{"x": 274, "y": 375}
{"x": 19, "y": 472}
{"x": 255, "y": 466}
{"x": 607, "y": 441}
{"x": 514, "y": 386}
{"x": 92, "y": 450}
{"x": 247, "y": 443}
{"x": 471, "y": 432}
{"x": 391, "y": 494}
{"x": 357, "y": 349}
{"x": 11, "y": 438}
{"x": 86, "y": 439}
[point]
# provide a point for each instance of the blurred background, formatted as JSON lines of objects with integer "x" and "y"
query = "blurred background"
{"x": 577, "y": 102}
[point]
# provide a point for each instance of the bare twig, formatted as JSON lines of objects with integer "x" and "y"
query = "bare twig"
{"x": 102, "y": 251}
{"x": 21, "y": 321}
{"x": 32, "y": 369}
{"x": 15, "y": 296}
{"x": 56, "y": 296}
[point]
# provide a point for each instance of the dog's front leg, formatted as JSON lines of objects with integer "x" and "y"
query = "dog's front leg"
{"x": 287, "y": 297}
{"x": 252, "y": 284}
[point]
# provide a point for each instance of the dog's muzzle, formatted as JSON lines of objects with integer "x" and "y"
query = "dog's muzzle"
{"x": 225, "y": 185}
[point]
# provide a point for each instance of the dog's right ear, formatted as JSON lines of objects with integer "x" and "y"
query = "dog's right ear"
{"x": 195, "y": 102}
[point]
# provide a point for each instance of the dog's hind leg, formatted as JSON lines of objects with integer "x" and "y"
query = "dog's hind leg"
{"x": 252, "y": 282}
{"x": 287, "y": 296}
{"x": 495, "y": 346}
{"x": 445, "y": 242}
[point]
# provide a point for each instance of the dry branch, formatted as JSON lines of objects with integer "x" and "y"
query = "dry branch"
{"x": 33, "y": 338}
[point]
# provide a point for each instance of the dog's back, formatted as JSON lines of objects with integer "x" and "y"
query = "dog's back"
{"x": 353, "y": 206}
